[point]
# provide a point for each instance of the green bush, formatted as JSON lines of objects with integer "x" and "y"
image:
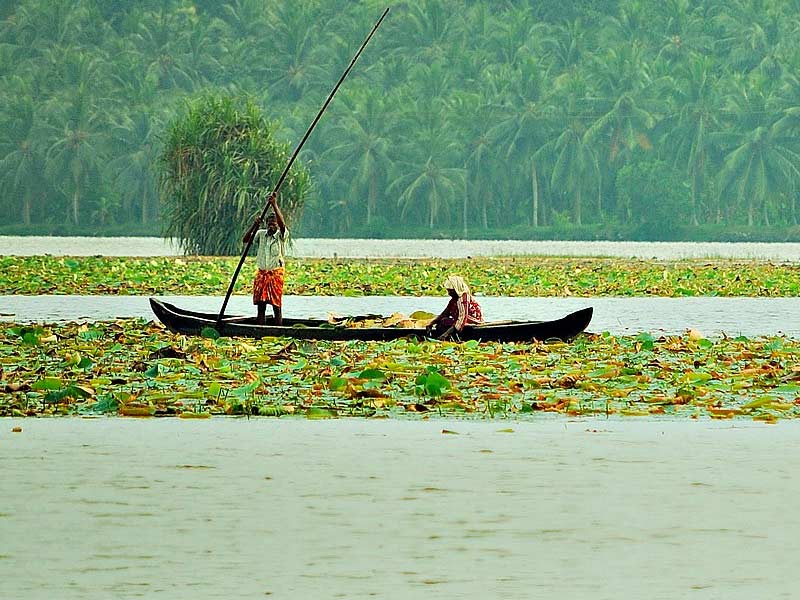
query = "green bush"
{"x": 219, "y": 164}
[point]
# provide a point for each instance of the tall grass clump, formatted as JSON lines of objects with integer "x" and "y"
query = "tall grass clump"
{"x": 219, "y": 163}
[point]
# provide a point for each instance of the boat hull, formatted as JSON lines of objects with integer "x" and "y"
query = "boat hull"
{"x": 188, "y": 322}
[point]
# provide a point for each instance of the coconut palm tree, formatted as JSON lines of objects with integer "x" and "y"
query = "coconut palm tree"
{"x": 159, "y": 40}
{"x": 428, "y": 178}
{"x": 292, "y": 32}
{"x": 76, "y": 148}
{"x": 576, "y": 166}
{"x": 481, "y": 162}
{"x": 521, "y": 130}
{"x": 135, "y": 139}
{"x": 761, "y": 154}
{"x": 693, "y": 115}
{"x": 362, "y": 142}
{"x": 20, "y": 154}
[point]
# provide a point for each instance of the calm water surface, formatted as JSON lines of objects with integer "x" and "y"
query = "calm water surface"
{"x": 229, "y": 508}
{"x": 622, "y": 316}
{"x": 350, "y": 248}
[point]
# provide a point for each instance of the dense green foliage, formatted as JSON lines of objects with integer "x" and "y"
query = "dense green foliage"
{"x": 133, "y": 368}
{"x": 463, "y": 115}
{"x": 218, "y": 166}
{"x": 521, "y": 276}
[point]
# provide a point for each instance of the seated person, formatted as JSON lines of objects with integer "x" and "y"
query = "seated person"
{"x": 460, "y": 311}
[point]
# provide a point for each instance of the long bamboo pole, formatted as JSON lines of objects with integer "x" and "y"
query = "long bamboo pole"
{"x": 285, "y": 173}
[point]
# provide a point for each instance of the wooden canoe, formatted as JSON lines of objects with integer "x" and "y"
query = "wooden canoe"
{"x": 189, "y": 322}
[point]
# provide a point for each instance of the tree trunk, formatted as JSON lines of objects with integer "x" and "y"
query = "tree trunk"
{"x": 26, "y": 208}
{"x": 578, "y": 205}
{"x": 76, "y": 196}
{"x": 466, "y": 194}
{"x": 433, "y": 212}
{"x": 600, "y": 199}
{"x": 535, "y": 190}
{"x": 750, "y": 211}
{"x": 371, "y": 198}
{"x": 695, "y": 185}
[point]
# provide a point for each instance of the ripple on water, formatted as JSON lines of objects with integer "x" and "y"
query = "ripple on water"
{"x": 620, "y": 316}
{"x": 238, "y": 534}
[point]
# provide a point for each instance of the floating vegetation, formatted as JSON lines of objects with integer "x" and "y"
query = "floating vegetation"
{"x": 520, "y": 276}
{"x": 135, "y": 368}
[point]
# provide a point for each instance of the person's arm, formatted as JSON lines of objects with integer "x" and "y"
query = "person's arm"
{"x": 252, "y": 231}
{"x": 278, "y": 215}
{"x": 456, "y": 327}
{"x": 429, "y": 327}
{"x": 446, "y": 335}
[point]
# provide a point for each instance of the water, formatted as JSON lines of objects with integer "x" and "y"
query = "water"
{"x": 350, "y": 248}
{"x": 623, "y": 316}
{"x": 229, "y": 508}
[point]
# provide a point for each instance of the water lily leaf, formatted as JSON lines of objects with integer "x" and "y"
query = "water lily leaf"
{"x": 154, "y": 371}
{"x": 301, "y": 364}
{"x": 105, "y": 404}
{"x": 646, "y": 339}
{"x": 432, "y": 383}
{"x": 791, "y": 388}
{"x": 759, "y": 402}
{"x": 337, "y": 383}
{"x": 245, "y": 391}
{"x": 30, "y": 339}
{"x": 194, "y": 415}
{"x": 91, "y": 335}
{"x": 594, "y": 375}
{"x": 372, "y": 374}
{"x": 48, "y": 383}
{"x": 319, "y": 413}
{"x": 137, "y": 411}
{"x": 696, "y": 377}
{"x": 210, "y": 333}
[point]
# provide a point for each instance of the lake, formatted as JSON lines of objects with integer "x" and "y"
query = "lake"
{"x": 350, "y": 248}
{"x": 621, "y": 316}
{"x": 230, "y": 508}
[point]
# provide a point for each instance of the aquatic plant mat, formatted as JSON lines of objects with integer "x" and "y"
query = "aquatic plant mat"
{"x": 518, "y": 276}
{"x": 136, "y": 368}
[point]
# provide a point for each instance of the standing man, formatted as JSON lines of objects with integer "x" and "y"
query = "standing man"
{"x": 268, "y": 284}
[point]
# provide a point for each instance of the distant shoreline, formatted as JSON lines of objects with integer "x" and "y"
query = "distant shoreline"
{"x": 400, "y": 248}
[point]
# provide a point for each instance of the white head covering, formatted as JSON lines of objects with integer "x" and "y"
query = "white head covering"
{"x": 456, "y": 283}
